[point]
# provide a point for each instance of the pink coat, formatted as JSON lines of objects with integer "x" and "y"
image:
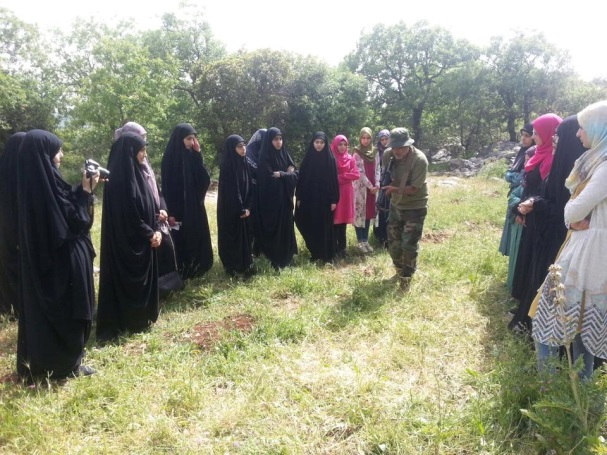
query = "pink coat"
{"x": 344, "y": 212}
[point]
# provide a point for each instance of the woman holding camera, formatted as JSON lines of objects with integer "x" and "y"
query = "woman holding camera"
{"x": 56, "y": 294}
{"x": 128, "y": 282}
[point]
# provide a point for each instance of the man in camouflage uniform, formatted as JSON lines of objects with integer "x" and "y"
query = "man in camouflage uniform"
{"x": 408, "y": 194}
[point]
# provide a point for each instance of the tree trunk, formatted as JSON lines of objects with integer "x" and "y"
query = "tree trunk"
{"x": 511, "y": 128}
{"x": 417, "y": 125}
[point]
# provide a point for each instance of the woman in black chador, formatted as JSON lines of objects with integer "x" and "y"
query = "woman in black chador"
{"x": 56, "y": 294}
{"x": 234, "y": 200}
{"x": 128, "y": 281}
{"x": 185, "y": 182}
{"x": 317, "y": 195}
{"x": 9, "y": 235}
{"x": 276, "y": 182}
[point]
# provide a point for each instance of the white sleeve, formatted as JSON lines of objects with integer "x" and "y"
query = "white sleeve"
{"x": 595, "y": 192}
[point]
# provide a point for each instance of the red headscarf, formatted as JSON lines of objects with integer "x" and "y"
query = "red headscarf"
{"x": 342, "y": 159}
{"x": 544, "y": 127}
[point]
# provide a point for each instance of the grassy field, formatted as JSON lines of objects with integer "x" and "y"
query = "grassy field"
{"x": 313, "y": 360}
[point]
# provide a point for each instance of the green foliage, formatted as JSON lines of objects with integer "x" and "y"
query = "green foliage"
{"x": 528, "y": 74}
{"x": 404, "y": 65}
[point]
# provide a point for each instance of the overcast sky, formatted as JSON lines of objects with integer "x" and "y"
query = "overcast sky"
{"x": 329, "y": 30}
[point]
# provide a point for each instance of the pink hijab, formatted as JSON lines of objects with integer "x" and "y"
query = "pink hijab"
{"x": 544, "y": 127}
{"x": 342, "y": 159}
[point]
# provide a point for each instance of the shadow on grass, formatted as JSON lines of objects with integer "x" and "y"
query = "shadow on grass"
{"x": 366, "y": 301}
{"x": 511, "y": 382}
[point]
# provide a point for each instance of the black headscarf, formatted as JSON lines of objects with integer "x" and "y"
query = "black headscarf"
{"x": 128, "y": 282}
{"x": 274, "y": 202}
{"x": 233, "y": 199}
{"x": 519, "y": 161}
{"x": 254, "y": 146}
{"x": 185, "y": 182}
{"x": 317, "y": 189}
{"x": 9, "y": 234}
{"x": 44, "y": 205}
{"x": 568, "y": 149}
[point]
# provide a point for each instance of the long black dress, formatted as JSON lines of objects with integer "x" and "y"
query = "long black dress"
{"x": 234, "y": 199}
{"x": 317, "y": 189}
{"x": 56, "y": 298}
{"x": 185, "y": 182}
{"x": 273, "y": 214}
{"x": 252, "y": 157}
{"x": 9, "y": 234}
{"x": 128, "y": 281}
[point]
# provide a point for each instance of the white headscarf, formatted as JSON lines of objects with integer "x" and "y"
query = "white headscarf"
{"x": 593, "y": 119}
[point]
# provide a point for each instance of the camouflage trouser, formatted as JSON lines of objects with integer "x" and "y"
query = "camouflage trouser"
{"x": 404, "y": 232}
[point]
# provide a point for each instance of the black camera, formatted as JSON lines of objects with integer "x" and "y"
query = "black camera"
{"x": 92, "y": 167}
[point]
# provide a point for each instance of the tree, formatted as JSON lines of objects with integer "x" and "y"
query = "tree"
{"x": 528, "y": 74}
{"x": 300, "y": 95}
{"x": 111, "y": 78}
{"x": 404, "y": 66}
{"x": 28, "y": 93}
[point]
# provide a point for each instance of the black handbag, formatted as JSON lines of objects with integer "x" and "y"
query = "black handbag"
{"x": 170, "y": 281}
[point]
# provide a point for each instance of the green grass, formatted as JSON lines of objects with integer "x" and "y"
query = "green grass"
{"x": 338, "y": 361}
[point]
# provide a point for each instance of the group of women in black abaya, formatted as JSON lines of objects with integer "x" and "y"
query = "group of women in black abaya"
{"x": 47, "y": 253}
{"x": 46, "y": 266}
{"x": 255, "y": 209}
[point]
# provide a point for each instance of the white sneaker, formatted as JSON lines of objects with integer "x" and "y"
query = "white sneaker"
{"x": 369, "y": 247}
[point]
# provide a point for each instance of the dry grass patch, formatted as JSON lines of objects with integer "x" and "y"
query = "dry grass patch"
{"x": 206, "y": 336}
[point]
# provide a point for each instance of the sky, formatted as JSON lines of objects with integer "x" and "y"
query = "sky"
{"x": 329, "y": 30}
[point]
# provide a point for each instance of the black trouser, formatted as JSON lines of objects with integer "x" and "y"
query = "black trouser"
{"x": 340, "y": 237}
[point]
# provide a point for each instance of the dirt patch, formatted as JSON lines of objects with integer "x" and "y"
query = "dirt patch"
{"x": 9, "y": 378}
{"x": 435, "y": 237}
{"x": 208, "y": 335}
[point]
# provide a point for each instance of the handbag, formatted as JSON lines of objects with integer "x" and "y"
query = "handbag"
{"x": 170, "y": 281}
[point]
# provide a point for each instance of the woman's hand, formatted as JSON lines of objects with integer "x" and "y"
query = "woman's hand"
{"x": 276, "y": 174}
{"x": 333, "y": 206}
{"x": 520, "y": 220}
{"x": 526, "y": 207}
{"x": 290, "y": 169}
{"x": 196, "y": 145}
{"x": 580, "y": 225}
{"x": 163, "y": 215}
{"x": 156, "y": 239}
{"x": 172, "y": 221}
{"x": 374, "y": 190}
{"x": 245, "y": 214}
{"x": 89, "y": 183}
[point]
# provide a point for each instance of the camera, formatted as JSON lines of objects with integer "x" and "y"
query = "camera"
{"x": 92, "y": 167}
